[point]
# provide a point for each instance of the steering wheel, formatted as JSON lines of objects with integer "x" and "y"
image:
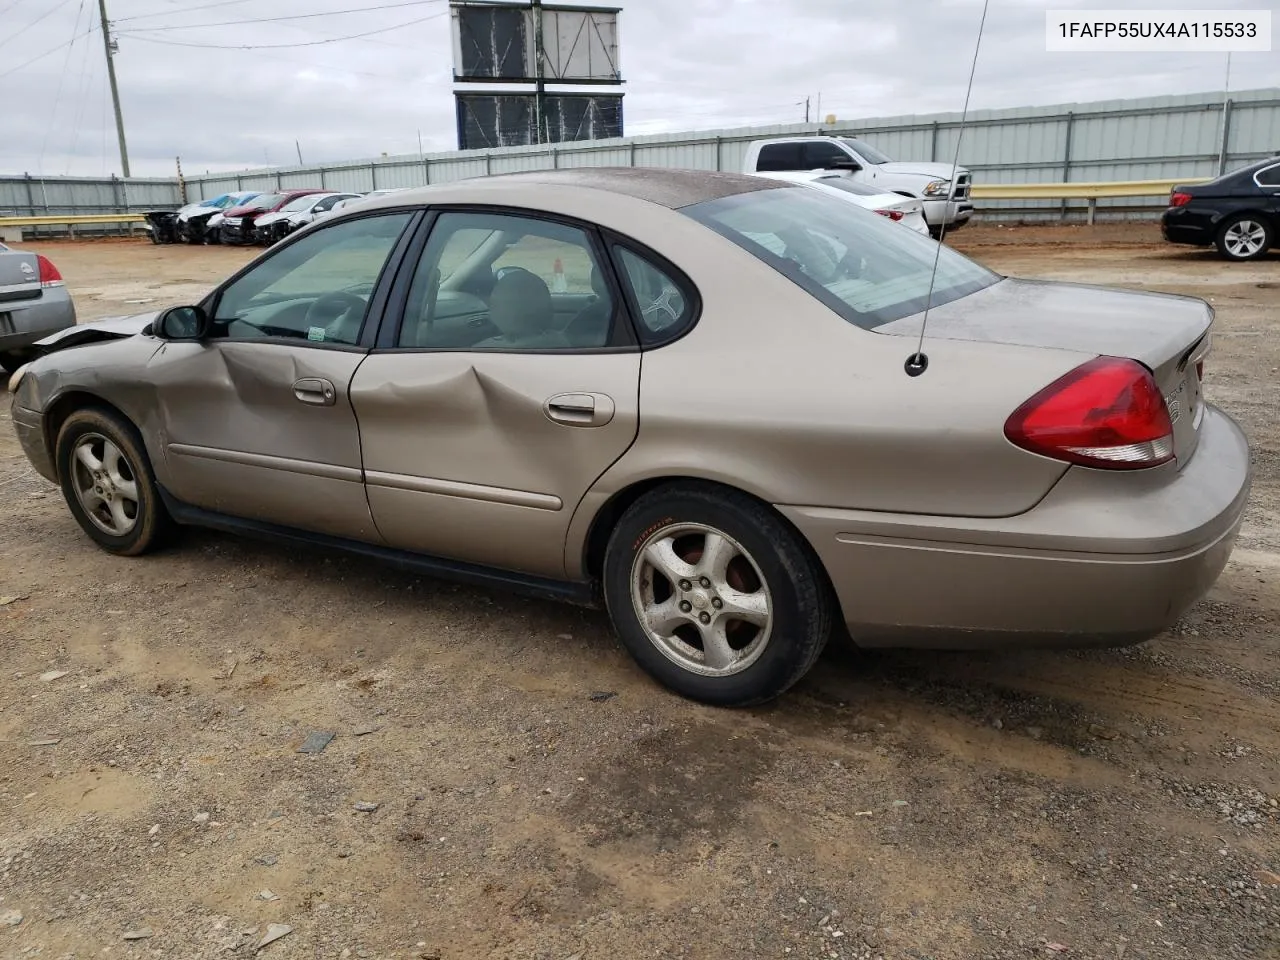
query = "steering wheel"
{"x": 338, "y": 314}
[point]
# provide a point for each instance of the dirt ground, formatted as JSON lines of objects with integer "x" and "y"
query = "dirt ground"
{"x": 538, "y": 797}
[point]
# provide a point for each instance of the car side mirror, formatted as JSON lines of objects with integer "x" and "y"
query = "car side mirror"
{"x": 843, "y": 165}
{"x": 182, "y": 323}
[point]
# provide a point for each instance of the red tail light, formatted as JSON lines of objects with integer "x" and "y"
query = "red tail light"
{"x": 1179, "y": 199}
{"x": 1104, "y": 413}
{"x": 891, "y": 214}
{"x": 49, "y": 275}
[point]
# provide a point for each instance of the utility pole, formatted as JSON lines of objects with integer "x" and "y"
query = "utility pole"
{"x": 108, "y": 47}
{"x": 540, "y": 98}
{"x": 806, "y": 109}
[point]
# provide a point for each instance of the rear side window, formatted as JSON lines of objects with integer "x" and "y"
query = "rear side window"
{"x": 664, "y": 305}
{"x": 780, "y": 156}
{"x": 1269, "y": 176}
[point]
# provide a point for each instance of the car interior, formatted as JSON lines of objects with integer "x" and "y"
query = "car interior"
{"x": 518, "y": 285}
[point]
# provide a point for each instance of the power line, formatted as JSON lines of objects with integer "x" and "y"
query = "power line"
{"x": 41, "y": 56}
{"x": 62, "y": 76}
{"x": 167, "y": 13}
{"x": 296, "y": 16}
{"x": 279, "y": 46}
{"x": 48, "y": 13}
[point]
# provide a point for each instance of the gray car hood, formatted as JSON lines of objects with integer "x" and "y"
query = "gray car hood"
{"x": 1149, "y": 327}
{"x": 108, "y": 328}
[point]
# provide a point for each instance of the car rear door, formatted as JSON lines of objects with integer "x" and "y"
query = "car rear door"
{"x": 256, "y": 419}
{"x": 484, "y": 419}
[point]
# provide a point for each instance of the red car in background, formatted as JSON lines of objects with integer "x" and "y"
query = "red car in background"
{"x": 238, "y": 223}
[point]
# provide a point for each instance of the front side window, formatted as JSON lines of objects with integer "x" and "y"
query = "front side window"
{"x": 866, "y": 150}
{"x": 315, "y": 290}
{"x": 865, "y": 267}
{"x": 820, "y": 153}
{"x": 502, "y": 282}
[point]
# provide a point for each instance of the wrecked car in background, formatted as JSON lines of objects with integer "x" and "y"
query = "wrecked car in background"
{"x": 295, "y": 214}
{"x": 238, "y": 223}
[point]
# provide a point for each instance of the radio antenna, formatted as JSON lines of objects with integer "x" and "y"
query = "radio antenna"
{"x": 917, "y": 363}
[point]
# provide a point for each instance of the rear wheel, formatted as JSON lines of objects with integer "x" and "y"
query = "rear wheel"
{"x": 108, "y": 483}
{"x": 715, "y": 595}
{"x": 1245, "y": 236}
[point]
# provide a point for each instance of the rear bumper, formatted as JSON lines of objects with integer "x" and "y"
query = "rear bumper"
{"x": 1183, "y": 225}
{"x": 1105, "y": 559}
{"x": 23, "y": 322}
{"x": 29, "y": 427}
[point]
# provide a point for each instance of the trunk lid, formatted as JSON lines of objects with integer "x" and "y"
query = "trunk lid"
{"x": 19, "y": 276}
{"x": 1165, "y": 332}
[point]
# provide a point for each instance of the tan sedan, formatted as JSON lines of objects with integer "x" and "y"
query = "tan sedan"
{"x": 694, "y": 397}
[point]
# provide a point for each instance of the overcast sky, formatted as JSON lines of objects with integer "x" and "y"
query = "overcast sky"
{"x": 688, "y": 65}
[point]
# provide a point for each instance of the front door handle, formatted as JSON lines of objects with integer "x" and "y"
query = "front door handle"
{"x": 315, "y": 390}
{"x": 580, "y": 409}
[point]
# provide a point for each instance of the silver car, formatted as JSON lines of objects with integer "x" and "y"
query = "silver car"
{"x": 34, "y": 303}
{"x": 696, "y": 398}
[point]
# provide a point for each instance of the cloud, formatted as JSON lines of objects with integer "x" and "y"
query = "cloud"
{"x": 689, "y": 64}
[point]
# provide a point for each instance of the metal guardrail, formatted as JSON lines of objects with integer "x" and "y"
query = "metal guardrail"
{"x": 71, "y": 221}
{"x": 1078, "y": 191}
{"x": 1091, "y": 192}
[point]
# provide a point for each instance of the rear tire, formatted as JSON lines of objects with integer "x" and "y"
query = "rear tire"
{"x": 1244, "y": 236}
{"x": 108, "y": 483}
{"x": 682, "y": 561}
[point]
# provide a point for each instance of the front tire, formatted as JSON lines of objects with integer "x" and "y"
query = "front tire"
{"x": 1244, "y": 236}
{"x": 714, "y": 595}
{"x": 108, "y": 483}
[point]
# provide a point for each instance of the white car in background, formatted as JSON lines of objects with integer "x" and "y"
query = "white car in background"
{"x": 381, "y": 192}
{"x": 297, "y": 213}
{"x": 908, "y": 211}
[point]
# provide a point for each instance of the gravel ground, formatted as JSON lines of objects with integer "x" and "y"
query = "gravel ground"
{"x": 504, "y": 783}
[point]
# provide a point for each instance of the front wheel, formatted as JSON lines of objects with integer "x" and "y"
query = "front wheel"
{"x": 108, "y": 484}
{"x": 1244, "y": 236}
{"x": 715, "y": 595}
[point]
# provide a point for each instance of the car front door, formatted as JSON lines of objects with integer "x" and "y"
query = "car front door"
{"x": 256, "y": 418}
{"x": 509, "y": 385}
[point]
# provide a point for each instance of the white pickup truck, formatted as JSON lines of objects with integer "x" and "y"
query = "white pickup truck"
{"x": 944, "y": 202}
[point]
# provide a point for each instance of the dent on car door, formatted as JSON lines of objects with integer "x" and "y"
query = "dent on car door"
{"x": 256, "y": 418}
{"x": 510, "y": 386}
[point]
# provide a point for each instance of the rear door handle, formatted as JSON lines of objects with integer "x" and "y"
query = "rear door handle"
{"x": 316, "y": 391}
{"x": 580, "y": 409}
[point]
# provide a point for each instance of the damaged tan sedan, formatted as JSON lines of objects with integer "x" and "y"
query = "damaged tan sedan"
{"x": 696, "y": 398}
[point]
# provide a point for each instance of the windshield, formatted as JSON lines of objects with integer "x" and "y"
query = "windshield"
{"x": 849, "y": 186}
{"x": 300, "y": 203}
{"x": 869, "y": 153}
{"x": 265, "y": 202}
{"x": 865, "y": 267}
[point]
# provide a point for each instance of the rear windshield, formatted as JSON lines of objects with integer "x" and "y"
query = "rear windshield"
{"x": 849, "y": 186}
{"x": 865, "y": 267}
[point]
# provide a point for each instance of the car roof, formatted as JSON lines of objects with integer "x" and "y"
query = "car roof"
{"x": 666, "y": 187}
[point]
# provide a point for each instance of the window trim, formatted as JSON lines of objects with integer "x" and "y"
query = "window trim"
{"x": 377, "y": 300}
{"x": 624, "y": 337}
{"x": 692, "y": 295}
{"x": 1265, "y": 186}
